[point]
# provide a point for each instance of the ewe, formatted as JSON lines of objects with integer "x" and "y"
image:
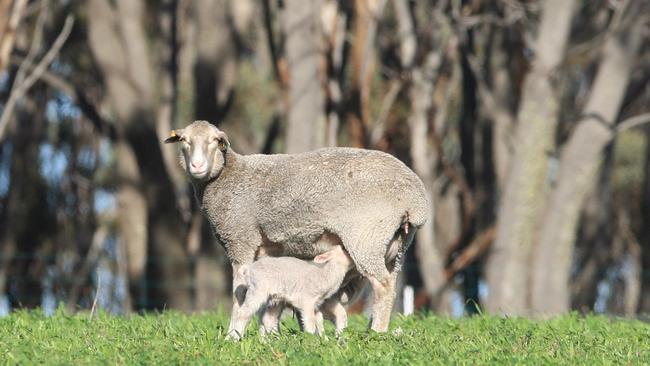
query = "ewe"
{"x": 300, "y": 205}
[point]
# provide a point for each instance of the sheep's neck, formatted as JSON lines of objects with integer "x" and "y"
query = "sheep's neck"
{"x": 232, "y": 160}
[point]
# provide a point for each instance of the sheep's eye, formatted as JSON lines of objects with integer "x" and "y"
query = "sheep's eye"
{"x": 183, "y": 139}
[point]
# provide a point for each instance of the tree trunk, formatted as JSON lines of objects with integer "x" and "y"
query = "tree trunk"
{"x": 523, "y": 198}
{"x": 579, "y": 163}
{"x": 10, "y": 14}
{"x": 335, "y": 23}
{"x": 306, "y": 129}
{"x": 500, "y": 110}
{"x": 424, "y": 157}
{"x": 212, "y": 282}
{"x": 27, "y": 206}
{"x": 592, "y": 252}
{"x": 644, "y": 302}
{"x": 430, "y": 261}
{"x": 154, "y": 233}
{"x": 214, "y": 70}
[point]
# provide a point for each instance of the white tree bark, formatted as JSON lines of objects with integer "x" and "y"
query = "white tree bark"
{"x": 423, "y": 76}
{"x": 523, "y": 199}
{"x": 579, "y": 164}
{"x": 306, "y": 129}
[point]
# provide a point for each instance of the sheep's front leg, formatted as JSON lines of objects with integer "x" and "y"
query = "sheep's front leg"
{"x": 238, "y": 297}
{"x": 383, "y": 298}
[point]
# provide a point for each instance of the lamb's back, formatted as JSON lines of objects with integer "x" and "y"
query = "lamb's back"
{"x": 289, "y": 277}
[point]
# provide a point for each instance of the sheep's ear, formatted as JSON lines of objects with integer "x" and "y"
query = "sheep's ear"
{"x": 174, "y": 136}
{"x": 323, "y": 258}
{"x": 224, "y": 144}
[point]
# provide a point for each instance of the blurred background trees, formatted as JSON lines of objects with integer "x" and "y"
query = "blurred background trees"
{"x": 525, "y": 119}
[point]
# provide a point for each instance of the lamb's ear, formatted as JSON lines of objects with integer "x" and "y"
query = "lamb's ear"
{"x": 174, "y": 136}
{"x": 224, "y": 144}
{"x": 323, "y": 258}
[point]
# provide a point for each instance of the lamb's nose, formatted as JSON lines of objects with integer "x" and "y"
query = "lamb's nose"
{"x": 198, "y": 164}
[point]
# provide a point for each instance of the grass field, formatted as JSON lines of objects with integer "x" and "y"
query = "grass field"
{"x": 172, "y": 338}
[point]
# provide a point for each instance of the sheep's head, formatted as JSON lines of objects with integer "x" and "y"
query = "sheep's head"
{"x": 203, "y": 149}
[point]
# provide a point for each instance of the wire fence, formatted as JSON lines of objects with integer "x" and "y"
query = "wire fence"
{"x": 52, "y": 287}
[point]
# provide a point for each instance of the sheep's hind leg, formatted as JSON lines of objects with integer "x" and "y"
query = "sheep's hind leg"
{"x": 369, "y": 252}
{"x": 384, "y": 288}
{"x": 383, "y": 298}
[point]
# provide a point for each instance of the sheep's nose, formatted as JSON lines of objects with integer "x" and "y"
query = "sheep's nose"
{"x": 198, "y": 164}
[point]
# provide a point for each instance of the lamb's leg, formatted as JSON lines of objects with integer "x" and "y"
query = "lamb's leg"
{"x": 334, "y": 311}
{"x": 240, "y": 320}
{"x": 270, "y": 318}
{"x": 308, "y": 317}
{"x": 320, "y": 327}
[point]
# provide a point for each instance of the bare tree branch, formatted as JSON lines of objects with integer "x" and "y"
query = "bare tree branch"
{"x": 19, "y": 90}
{"x": 386, "y": 106}
{"x": 471, "y": 253}
{"x": 633, "y": 122}
{"x": 76, "y": 93}
{"x": 8, "y": 32}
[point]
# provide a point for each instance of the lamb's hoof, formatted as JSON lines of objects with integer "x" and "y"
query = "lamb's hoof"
{"x": 233, "y": 336}
{"x": 271, "y": 331}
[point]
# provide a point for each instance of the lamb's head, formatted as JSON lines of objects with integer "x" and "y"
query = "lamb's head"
{"x": 203, "y": 149}
{"x": 337, "y": 256}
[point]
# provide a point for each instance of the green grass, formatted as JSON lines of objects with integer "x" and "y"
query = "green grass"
{"x": 172, "y": 338}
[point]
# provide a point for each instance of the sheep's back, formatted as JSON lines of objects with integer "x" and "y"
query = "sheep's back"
{"x": 332, "y": 188}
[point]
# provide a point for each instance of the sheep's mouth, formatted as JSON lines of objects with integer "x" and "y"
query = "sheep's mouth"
{"x": 199, "y": 174}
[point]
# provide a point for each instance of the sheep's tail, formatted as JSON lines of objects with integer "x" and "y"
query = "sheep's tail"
{"x": 410, "y": 224}
{"x": 416, "y": 214}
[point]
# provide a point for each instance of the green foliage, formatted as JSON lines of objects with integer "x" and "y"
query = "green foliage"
{"x": 629, "y": 157}
{"x": 173, "y": 338}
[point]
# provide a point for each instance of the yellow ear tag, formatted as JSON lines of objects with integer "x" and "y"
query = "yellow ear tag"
{"x": 172, "y": 134}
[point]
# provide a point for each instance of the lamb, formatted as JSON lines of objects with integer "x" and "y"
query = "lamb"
{"x": 305, "y": 285}
{"x": 304, "y": 204}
